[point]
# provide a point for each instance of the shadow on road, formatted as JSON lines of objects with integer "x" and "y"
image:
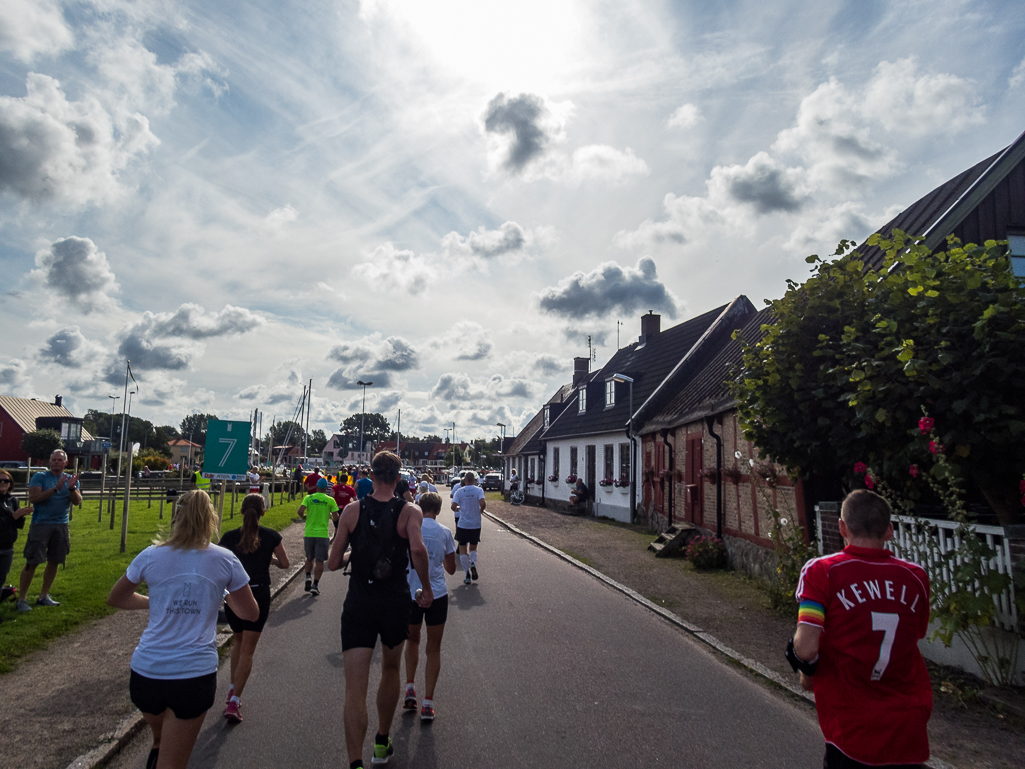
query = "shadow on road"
{"x": 297, "y": 608}
{"x": 416, "y": 743}
{"x": 466, "y": 597}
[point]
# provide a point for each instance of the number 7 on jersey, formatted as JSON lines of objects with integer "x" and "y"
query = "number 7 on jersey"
{"x": 888, "y": 624}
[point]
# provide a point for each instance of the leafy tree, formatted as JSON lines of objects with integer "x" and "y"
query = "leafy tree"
{"x": 40, "y": 444}
{"x": 317, "y": 442}
{"x": 432, "y": 438}
{"x": 375, "y": 428}
{"x": 280, "y": 431}
{"x": 193, "y": 427}
{"x": 854, "y": 355}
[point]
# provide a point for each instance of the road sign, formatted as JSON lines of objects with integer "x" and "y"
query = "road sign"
{"x": 226, "y": 457}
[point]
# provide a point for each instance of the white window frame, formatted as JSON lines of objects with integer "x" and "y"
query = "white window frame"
{"x": 582, "y": 401}
{"x": 610, "y": 393}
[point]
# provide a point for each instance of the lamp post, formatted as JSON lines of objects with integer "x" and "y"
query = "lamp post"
{"x": 501, "y": 451}
{"x": 113, "y": 402}
{"x": 363, "y": 414}
{"x": 630, "y": 436}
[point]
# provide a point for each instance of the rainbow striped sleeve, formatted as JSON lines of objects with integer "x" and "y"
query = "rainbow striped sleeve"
{"x": 811, "y": 613}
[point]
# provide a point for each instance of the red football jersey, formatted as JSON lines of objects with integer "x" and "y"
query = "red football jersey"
{"x": 343, "y": 494}
{"x": 872, "y": 690}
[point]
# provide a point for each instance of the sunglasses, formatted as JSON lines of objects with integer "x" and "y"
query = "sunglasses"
{"x": 6, "y": 480}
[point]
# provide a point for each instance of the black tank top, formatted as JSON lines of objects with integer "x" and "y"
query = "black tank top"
{"x": 396, "y": 582}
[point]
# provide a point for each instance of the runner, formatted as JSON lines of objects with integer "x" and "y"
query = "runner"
{"x": 364, "y": 485}
{"x": 316, "y": 509}
{"x": 343, "y": 494}
{"x": 254, "y": 480}
{"x": 385, "y": 535}
{"x": 257, "y": 548}
{"x": 441, "y": 550}
{"x": 862, "y": 613}
{"x": 468, "y": 502}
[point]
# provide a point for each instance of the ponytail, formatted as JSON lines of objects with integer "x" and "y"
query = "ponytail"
{"x": 252, "y": 511}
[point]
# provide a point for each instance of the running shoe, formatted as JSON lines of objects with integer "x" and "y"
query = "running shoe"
{"x": 409, "y": 703}
{"x": 7, "y": 591}
{"x": 315, "y": 589}
{"x": 473, "y": 572}
{"x": 309, "y": 584}
{"x": 233, "y": 712}
{"x": 46, "y": 601}
{"x": 382, "y": 753}
{"x": 467, "y": 580}
{"x": 427, "y": 712}
{"x": 23, "y": 606}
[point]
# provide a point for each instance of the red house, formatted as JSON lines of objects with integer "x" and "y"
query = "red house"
{"x": 25, "y": 415}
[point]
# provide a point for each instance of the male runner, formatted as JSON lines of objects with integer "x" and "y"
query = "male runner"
{"x": 384, "y": 531}
{"x": 862, "y": 612}
{"x": 468, "y": 503}
{"x": 364, "y": 485}
{"x": 316, "y": 509}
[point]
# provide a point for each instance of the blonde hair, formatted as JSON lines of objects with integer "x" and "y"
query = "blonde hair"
{"x": 195, "y": 523}
{"x": 430, "y": 502}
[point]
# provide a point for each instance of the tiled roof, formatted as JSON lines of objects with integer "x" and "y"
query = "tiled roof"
{"x": 526, "y": 440}
{"x": 649, "y": 365}
{"x": 708, "y": 392}
{"x": 940, "y": 212}
{"x": 24, "y": 412}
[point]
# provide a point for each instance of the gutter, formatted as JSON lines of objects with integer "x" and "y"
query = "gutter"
{"x": 669, "y": 504}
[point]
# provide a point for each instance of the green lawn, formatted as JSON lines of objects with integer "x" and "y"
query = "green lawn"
{"x": 92, "y": 568}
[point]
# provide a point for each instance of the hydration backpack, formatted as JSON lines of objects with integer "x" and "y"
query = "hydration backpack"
{"x": 373, "y": 549}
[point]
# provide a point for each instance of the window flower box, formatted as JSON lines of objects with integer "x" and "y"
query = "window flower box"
{"x": 571, "y": 478}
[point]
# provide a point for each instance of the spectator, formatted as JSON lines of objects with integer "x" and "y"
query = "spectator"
{"x": 49, "y": 538}
{"x": 297, "y": 479}
{"x": 12, "y": 518}
{"x": 578, "y": 497}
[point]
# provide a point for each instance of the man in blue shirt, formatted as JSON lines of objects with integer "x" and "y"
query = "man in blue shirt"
{"x": 52, "y": 494}
{"x": 364, "y": 485}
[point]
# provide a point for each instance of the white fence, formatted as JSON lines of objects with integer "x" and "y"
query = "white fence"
{"x": 911, "y": 541}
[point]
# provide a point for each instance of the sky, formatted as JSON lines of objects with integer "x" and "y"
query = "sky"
{"x": 447, "y": 197}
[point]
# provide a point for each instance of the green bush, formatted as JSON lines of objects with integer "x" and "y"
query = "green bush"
{"x": 707, "y": 553}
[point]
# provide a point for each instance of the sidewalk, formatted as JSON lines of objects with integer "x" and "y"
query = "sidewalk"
{"x": 963, "y": 732}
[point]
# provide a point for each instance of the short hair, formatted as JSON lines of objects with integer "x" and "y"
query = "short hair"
{"x": 430, "y": 502}
{"x": 471, "y": 475}
{"x": 386, "y": 466}
{"x": 59, "y": 451}
{"x": 866, "y": 513}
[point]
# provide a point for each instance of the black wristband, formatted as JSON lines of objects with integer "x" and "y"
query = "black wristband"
{"x": 799, "y": 665}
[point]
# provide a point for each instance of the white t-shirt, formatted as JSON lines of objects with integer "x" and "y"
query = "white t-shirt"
{"x": 439, "y": 542}
{"x": 254, "y": 480}
{"x": 468, "y": 498}
{"x": 185, "y": 591}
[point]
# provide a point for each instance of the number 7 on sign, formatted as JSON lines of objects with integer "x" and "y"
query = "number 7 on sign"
{"x": 231, "y": 444}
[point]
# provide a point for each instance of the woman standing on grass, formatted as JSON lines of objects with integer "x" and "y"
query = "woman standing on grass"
{"x": 12, "y": 518}
{"x": 257, "y": 547}
{"x": 174, "y": 667}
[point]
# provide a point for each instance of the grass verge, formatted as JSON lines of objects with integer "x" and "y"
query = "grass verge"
{"x": 93, "y": 566}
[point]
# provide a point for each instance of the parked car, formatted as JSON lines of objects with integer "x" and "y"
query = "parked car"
{"x": 9, "y": 464}
{"x": 492, "y": 481}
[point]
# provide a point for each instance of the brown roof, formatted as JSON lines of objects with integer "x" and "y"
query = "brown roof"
{"x": 182, "y": 442}
{"x": 24, "y": 412}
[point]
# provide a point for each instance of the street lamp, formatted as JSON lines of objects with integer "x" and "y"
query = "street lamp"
{"x": 630, "y": 436}
{"x": 363, "y": 415}
{"x": 113, "y": 402}
{"x": 501, "y": 451}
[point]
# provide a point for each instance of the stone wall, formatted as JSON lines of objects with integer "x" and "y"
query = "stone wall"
{"x": 828, "y": 520}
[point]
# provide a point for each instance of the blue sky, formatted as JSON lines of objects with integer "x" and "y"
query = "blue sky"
{"x": 447, "y": 196}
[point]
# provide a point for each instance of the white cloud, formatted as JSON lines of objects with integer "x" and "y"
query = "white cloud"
{"x": 14, "y": 378}
{"x": 372, "y": 358}
{"x": 466, "y": 340}
{"x": 69, "y": 348}
{"x": 825, "y": 229}
{"x": 276, "y": 221}
{"x": 77, "y": 272}
{"x": 607, "y": 288}
{"x": 287, "y": 390}
{"x": 599, "y": 162}
{"x": 685, "y": 116}
{"x": 1017, "y": 76}
{"x": 31, "y": 28}
{"x": 487, "y": 244}
{"x": 903, "y": 101}
{"x": 764, "y": 183}
{"x": 388, "y": 268}
{"x": 463, "y": 390}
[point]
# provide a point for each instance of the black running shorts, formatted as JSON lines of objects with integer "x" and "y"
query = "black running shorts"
{"x": 467, "y": 536}
{"x": 186, "y": 697}
{"x": 262, "y": 595}
{"x": 367, "y": 616}
{"x": 437, "y": 614}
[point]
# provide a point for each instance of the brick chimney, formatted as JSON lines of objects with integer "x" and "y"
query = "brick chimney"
{"x": 651, "y": 326}
{"x": 580, "y": 370}
{"x": 58, "y": 401}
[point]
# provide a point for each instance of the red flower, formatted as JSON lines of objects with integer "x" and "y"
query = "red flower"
{"x": 1021, "y": 486}
{"x": 869, "y": 483}
{"x": 936, "y": 448}
{"x": 925, "y": 424}
{"x": 914, "y": 472}
{"x": 860, "y": 467}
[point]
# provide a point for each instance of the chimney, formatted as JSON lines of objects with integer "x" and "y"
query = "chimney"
{"x": 651, "y": 325}
{"x": 580, "y": 370}
{"x": 57, "y": 400}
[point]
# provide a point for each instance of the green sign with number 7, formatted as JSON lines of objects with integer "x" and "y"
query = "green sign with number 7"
{"x": 226, "y": 456}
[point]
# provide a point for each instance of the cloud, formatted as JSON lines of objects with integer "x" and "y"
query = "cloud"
{"x": 371, "y": 358}
{"x": 764, "y": 183}
{"x": 685, "y": 116}
{"x": 598, "y": 338}
{"x": 550, "y": 365}
{"x": 276, "y": 221}
{"x": 389, "y": 268}
{"x": 461, "y": 389}
{"x": 903, "y": 101}
{"x": 599, "y": 162}
{"x": 77, "y": 272}
{"x": 14, "y": 378}
{"x": 487, "y": 244}
{"x": 528, "y": 124}
{"x": 288, "y": 389}
{"x": 608, "y": 288}
{"x": 829, "y": 226}
{"x": 69, "y": 348}
{"x": 51, "y": 148}
{"x": 1017, "y": 76}
{"x": 685, "y": 218}
{"x": 31, "y": 28}
{"x": 466, "y": 340}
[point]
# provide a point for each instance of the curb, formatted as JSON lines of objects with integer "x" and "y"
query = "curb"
{"x": 112, "y": 742}
{"x": 754, "y": 666}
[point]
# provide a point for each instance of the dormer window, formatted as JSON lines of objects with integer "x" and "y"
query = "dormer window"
{"x": 547, "y": 416}
{"x": 610, "y": 393}
{"x": 582, "y": 401}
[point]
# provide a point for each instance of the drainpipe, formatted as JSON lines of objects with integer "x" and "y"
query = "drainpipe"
{"x": 669, "y": 504}
{"x": 709, "y": 423}
{"x": 542, "y": 472}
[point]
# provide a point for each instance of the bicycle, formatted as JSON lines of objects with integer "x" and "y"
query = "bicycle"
{"x": 516, "y": 495}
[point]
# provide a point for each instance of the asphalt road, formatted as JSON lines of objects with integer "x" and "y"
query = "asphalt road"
{"x": 542, "y": 666}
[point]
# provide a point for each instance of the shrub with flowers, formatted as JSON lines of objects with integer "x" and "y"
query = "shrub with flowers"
{"x": 604, "y": 482}
{"x": 571, "y": 478}
{"x": 622, "y": 483}
{"x": 553, "y": 479}
{"x": 707, "y": 553}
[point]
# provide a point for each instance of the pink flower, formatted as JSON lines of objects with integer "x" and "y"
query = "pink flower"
{"x": 1021, "y": 486}
{"x": 936, "y": 448}
{"x": 925, "y": 424}
{"x": 869, "y": 483}
{"x": 914, "y": 471}
{"x": 860, "y": 467}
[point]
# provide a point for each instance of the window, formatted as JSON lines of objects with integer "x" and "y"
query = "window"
{"x": 609, "y": 461}
{"x": 624, "y": 462}
{"x": 610, "y": 393}
{"x": 531, "y": 475}
{"x": 1016, "y": 248}
{"x": 555, "y": 461}
{"x": 71, "y": 431}
{"x": 572, "y": 460}
{"x": 547, "y": 415}
{"x": 582, "y": 401}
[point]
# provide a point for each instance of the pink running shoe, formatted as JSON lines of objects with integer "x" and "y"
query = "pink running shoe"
{"x": 427, "y": 712}
{"x": 409, "y": 703}
{"x": 233, "y": 712}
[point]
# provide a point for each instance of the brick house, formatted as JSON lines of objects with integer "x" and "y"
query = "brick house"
{"x": 19, "y": 416}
